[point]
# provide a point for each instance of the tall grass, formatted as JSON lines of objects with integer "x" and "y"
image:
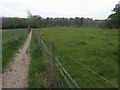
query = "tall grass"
{"x": 39, "y": 70}
{"x": 9, "y": 47}
{"x": 95, "y": 48}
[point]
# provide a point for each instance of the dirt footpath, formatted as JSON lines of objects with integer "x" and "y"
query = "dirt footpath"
{"x": 16, "y": 75}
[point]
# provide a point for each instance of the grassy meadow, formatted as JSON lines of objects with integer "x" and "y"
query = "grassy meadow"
{"x": 83, "y": 52}
{"x": 12, "y": 40}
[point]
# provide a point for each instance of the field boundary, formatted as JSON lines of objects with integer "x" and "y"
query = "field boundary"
{"x": 69, "y": 80}
{"x": 41, "y": 43}
{"x": 16, "y": 37}
{"x": 91, "y": 70}
{"x": 11, "y": 44}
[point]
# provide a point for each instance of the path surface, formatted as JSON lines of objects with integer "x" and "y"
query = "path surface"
{"x": 16, "y": 76}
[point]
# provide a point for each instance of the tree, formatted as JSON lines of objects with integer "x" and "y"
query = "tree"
{"x": 12, "y": 23}
{"x": 37, "y": 21}
{"x": 34, "y": 21}
{"x": 114, "y": 19}
{"x": 29, "y": 19}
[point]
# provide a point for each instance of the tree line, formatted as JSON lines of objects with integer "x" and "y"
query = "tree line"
{"x": 36, "y": 21}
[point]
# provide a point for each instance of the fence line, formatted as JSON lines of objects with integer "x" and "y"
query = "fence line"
{"x": 91, "y": 70}
{"x": 18, "y": 34}
{"x": 62, "y": 69}
{"x": 61, "y": 81}
{"x": 59, "y": 65}
{"x": 94, "y": 72}
{"x": 67, "y": 73}
{"x": 70, "y": 81}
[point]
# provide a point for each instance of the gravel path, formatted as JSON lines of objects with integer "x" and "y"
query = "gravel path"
{"x": 16, "y": 75}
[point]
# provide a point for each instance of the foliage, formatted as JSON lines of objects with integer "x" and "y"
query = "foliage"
{"x": 114, "y": 19}
{"x": 13, "y": 23}
{"x": 39, "y": 72}
{"x": 36, "y": 21}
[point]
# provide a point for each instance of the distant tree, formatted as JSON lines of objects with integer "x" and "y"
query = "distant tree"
{"x": 37, "y": 21}
{"x": 12, "y": 23}
{"x": 79, "y": 21}
{"x": 71, "y": 22}
{"x": 29, "y": 19}
{"x": 34, "y": 21}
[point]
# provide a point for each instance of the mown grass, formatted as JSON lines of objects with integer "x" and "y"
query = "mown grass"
{"x": 10, "y": 47}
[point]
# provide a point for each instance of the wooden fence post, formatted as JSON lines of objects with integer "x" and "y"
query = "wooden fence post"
{"x": 36, "y": 37}
{"x": 53, "y": 75}
{"x": 12, "y": 35}
{"x": 41, "y": 44}
{"x": 21, "y": 33}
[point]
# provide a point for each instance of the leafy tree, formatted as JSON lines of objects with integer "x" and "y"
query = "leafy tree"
{"x": 114, "y": 19}
{"x": 29, "y": 19}
{"x": 12, "y": 23}
{"x": 34, "y": 21}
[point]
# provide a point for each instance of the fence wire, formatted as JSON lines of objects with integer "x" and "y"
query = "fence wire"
{"x": 64, "y": 80}
{"x": 10, "y": 36}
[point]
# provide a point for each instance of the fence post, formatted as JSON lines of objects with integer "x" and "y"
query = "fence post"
{"x": 53, "y": 75}
{"x": 36, "y": 40}
{"x": 12, "y": 35}
{"x": 21, "y": 33}
{"x": 41, "y": 44}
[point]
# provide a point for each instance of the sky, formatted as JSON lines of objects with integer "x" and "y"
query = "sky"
{"x": 96, "y": 9}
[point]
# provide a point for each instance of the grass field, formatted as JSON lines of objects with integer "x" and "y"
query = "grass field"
{"x": 12, "y": 40}
{"x": 77, "y": 48}
{"x": 9, "y": 35}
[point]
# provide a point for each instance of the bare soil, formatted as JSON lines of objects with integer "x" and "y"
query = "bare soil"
{"x": 16, "y": 75}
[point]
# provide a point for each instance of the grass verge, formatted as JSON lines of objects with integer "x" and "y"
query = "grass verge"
{"x": 9, "y": 52}
{"x": 39, "y": 71}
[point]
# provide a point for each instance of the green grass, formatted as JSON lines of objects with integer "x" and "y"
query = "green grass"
{"x": 95, "y": 48}
{"x": 10, "y": 47}
{"x": 10, "y": 34}
{"x": 39, "y": 69}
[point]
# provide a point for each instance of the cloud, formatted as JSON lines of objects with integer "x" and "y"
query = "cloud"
{"x": 58, "y": 8}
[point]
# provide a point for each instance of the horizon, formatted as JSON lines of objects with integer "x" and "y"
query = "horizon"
{"x": 97, "y": 10}
{"x": 53, "y": 17}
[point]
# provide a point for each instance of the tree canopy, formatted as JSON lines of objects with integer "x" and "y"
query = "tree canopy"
{"x": 36, "y": 21}
{"x": 114, "y": 19}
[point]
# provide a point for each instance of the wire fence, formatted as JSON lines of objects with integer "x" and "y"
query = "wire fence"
{"x": 9, "y": 36}
{"x": 59, "y": 77}
{"x": 91, "y": 70}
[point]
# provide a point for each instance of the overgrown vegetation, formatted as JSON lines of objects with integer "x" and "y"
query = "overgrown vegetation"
{"x": 92, "y": 47}
{"x": 39, "y": 70}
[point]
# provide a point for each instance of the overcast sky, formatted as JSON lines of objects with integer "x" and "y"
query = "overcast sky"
{"x": 96, "y": 9}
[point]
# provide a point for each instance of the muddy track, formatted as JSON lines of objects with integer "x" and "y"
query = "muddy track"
{"x": 16, "y": 75}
